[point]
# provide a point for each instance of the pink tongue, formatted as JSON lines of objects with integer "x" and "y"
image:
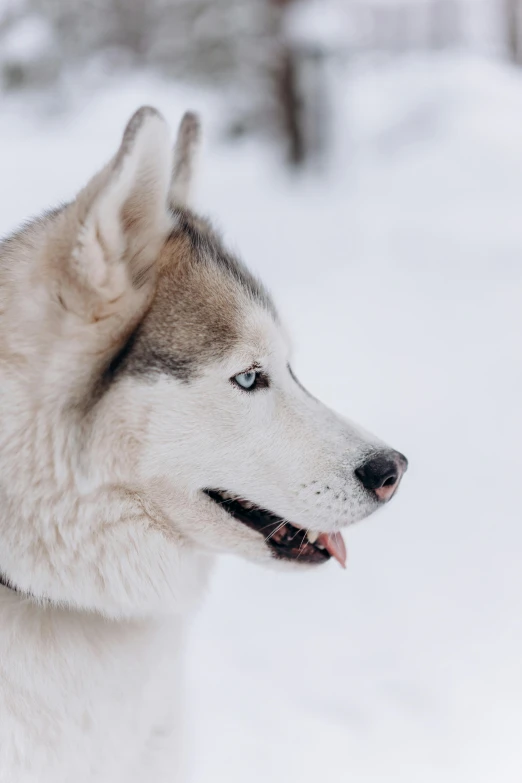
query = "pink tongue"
{"x": 334, "y": 544}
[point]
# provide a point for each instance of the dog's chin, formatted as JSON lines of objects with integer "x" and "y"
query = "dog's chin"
{"x": 284, "y": 541}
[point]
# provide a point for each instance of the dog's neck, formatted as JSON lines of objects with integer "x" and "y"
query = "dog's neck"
{"x": 94, "y": 545}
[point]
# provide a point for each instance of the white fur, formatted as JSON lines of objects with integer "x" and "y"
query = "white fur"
{"x": 104, "y": 529}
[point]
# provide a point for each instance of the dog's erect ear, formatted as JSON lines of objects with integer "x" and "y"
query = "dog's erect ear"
{"x": 123, "y": 212}
{"x": 185, "y": 150}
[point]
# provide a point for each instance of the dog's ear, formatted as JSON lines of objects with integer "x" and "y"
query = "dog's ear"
{"x": 185, "y": 151}
{"x": 123, "y": 214}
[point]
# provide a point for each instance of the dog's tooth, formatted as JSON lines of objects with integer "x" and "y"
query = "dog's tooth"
{"x": 312, "y": 536}
{"x": 248, "y": 504}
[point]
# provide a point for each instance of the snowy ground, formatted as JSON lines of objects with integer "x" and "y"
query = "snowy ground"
{"x": 400, "y": 274}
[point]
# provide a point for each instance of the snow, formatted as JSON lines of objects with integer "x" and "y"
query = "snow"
{"x": 27, "y": 40}
{"x": 319, "y": 24}
{"x": 399, "y": 272}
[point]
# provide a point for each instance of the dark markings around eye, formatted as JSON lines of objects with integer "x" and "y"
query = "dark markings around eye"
{"x": 262, "y": 380}
{"x": 148, "y": 361}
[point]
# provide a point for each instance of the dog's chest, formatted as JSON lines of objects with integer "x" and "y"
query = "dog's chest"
{"x": 79, "y": 694}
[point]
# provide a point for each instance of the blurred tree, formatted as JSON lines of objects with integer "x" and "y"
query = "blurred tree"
{"x": 285, "y": 74}
{"x": 513, "y": 17}
{"x": 268, "y": 58}
{"x": 444, "y": 23}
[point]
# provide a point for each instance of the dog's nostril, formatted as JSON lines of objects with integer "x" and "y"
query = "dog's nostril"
{"x": 381, "y": 473}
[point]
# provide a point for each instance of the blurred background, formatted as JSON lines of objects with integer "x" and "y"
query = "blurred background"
{"x": 365, "y": 157}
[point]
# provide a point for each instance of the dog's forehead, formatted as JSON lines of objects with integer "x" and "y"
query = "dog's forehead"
{"x": 205, "y": 300}
{"x": 203, "y": 246}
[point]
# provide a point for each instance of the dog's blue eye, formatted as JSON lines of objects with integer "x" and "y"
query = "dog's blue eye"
{"x": 251, "y": 380}
{"x": 247, "y": 380}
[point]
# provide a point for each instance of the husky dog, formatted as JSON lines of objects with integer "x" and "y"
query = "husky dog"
{"x": 150, "y": 419}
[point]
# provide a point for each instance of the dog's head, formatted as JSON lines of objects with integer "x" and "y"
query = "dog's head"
{"x": 236, "y": 452}
{"x": 174, "y": 361}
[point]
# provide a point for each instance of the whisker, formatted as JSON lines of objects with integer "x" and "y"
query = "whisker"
{"x": 303, "y": 542}
{"x": 282, "y": 524}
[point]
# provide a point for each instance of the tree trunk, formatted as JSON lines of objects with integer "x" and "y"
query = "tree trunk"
{"x": 513, "y": 16}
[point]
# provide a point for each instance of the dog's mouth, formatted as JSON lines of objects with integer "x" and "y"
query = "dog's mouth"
{"x": 286, "y": 540}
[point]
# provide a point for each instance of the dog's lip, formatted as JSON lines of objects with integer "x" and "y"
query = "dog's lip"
{"x": 286, "y": 540}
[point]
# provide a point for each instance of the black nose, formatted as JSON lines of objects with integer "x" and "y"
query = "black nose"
{"x": 382, "y": 473}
